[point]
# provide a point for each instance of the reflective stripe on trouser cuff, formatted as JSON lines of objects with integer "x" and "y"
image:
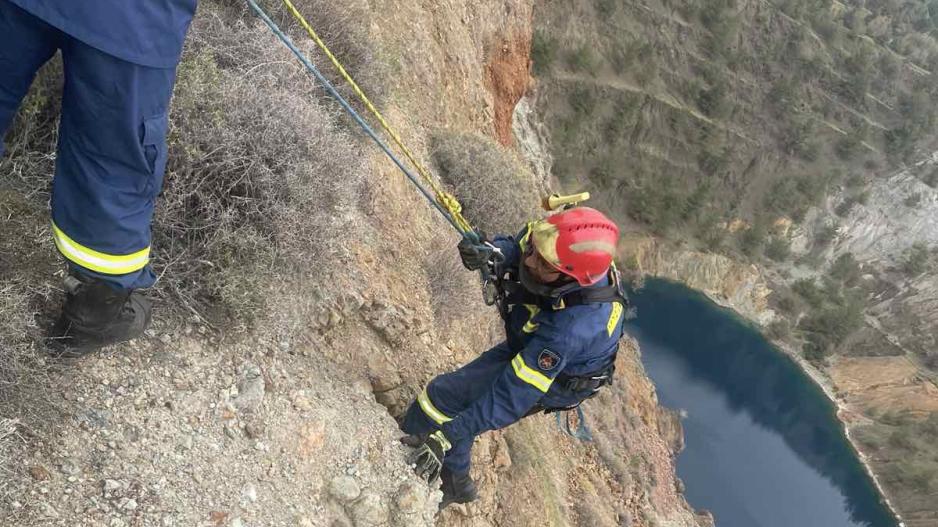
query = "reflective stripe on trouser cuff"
{"x": 98, "y": 261}
{"x": 532, "y": 377}
{"x": 424, "y": 400}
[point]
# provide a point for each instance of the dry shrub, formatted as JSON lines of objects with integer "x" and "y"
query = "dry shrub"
{"x": 496, "y": 190}
{"x": 343, "y": 26}
{"x": 7, "y": 449}
{"x": 29, "y": 379}
{"x": 260, "y": 169}
{"x": 262, "y": 172}
{"x": 26, "y": 377}
{"x": 450, "y": 285}
{"x": 27, "y": 264}
{"x": 28, "y": 164}
{"x": 498, "y": 195}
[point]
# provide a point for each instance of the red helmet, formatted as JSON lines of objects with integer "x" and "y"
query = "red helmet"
{"x": 579, "y": 242}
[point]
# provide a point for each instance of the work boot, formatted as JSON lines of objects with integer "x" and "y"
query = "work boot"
{"x": 457, "y": 488}
{"x": 96, "y": 315}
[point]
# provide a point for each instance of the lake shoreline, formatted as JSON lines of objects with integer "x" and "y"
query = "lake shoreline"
{"x": 822, "y": 381}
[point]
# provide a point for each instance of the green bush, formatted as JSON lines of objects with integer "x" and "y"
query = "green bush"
{"x": 583, "y": 60}
{"x": 931, "y": 360}
{"x": 696, "y": 201}
{"x": 799, "y": 137}
{"x": 783, "y": 96}
{"x": 847, "y": 147}
{"x": 916, "y": 259}
{"x": 606, "y": 8}
{"x": 779, "y": 330}
{"x": 710, "y": 232}
{"x": 621, "y": 119}
{"x": 929, "y": 427}
{"x": 815, "y": 352}
{"x": 786, "y": 302}
{"x": 791, "y": 196}
{"x": 903, "y": 438}
{"x": 647, "y": 70}
{"x": 900, "y": 142}
{"x": 723, "y": 24}
{"x": 845, "y": 206}
{"x": 778, "y": 249}
{"x": 713, "y": 160}
{"x": 657, "y": 204}
{"x": 827, "y": 327}
{"x": 825, "y": 235}
{"x": 931, "y": 179}
{"x": 846, "y": 270}
{"x": 752, "y": 239}
{"x": 859, "y": 73}
{"x": 714, "y": 100}
{"x": 623, "y": 56}
{"x": 910, "y": 473}
{"x": 807, "y": 289}
{"x": 854, "y": 181}
{"x": 543, "y": 52}
{"x": 582, "y": 100}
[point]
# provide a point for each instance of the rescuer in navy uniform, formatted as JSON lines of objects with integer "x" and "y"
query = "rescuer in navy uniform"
{"x": 120, "y": 60}
{"x": 563, "y": 309}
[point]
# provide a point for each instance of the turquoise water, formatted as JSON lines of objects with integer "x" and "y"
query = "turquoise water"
{"x": 763, "y": 445}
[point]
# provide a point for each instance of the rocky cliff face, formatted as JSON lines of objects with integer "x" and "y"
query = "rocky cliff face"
{"x": 730, "y": 283}
{"x": 292, "y": 423}
{"x": 882, "y": 229}
{"x": 899, "y": 212}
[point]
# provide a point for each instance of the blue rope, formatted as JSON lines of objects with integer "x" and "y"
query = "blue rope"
{"x": 358, "y": 118}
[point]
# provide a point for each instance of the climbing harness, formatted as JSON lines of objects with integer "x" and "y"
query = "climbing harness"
{"x": 444, "y": 202}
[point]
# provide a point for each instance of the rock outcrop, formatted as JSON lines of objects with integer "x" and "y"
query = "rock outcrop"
{"x": 730, "y": 283}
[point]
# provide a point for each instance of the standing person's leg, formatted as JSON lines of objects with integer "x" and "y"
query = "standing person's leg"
{"x": 26, "y": 43}
{"x": 112, "y": 155}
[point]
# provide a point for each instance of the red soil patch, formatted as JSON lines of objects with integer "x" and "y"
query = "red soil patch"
{"x": 508, "y": 76}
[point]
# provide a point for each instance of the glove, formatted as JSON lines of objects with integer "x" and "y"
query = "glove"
{"x": 474, "y": 256}
{"x": 427, "y": 460}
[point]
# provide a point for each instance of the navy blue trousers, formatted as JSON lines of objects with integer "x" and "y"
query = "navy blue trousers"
{"x": 453, "y": 392}
{"x": 112, "y": 145}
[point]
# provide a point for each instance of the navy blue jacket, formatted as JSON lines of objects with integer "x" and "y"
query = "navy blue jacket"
{"x": 575, "y": 340}
{"x": 145, "y": 32}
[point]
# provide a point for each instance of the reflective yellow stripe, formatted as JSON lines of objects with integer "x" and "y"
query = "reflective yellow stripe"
{"x": 532, "y": 377}
{"x": 444, "y": 443}
{"x": 424, "y": 400}
{"x": 614, "y": 317}
{"x": 530, "y": 326}
{"x": 98, "y": 261}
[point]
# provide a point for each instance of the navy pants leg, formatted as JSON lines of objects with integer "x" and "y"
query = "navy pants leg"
{"x": 26, "y": 43}
{"x": 111, "y": 153}
{"x": 451, "y": 393}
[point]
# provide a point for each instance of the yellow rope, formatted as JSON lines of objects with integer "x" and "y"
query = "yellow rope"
{"x": 443, "y": 198}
